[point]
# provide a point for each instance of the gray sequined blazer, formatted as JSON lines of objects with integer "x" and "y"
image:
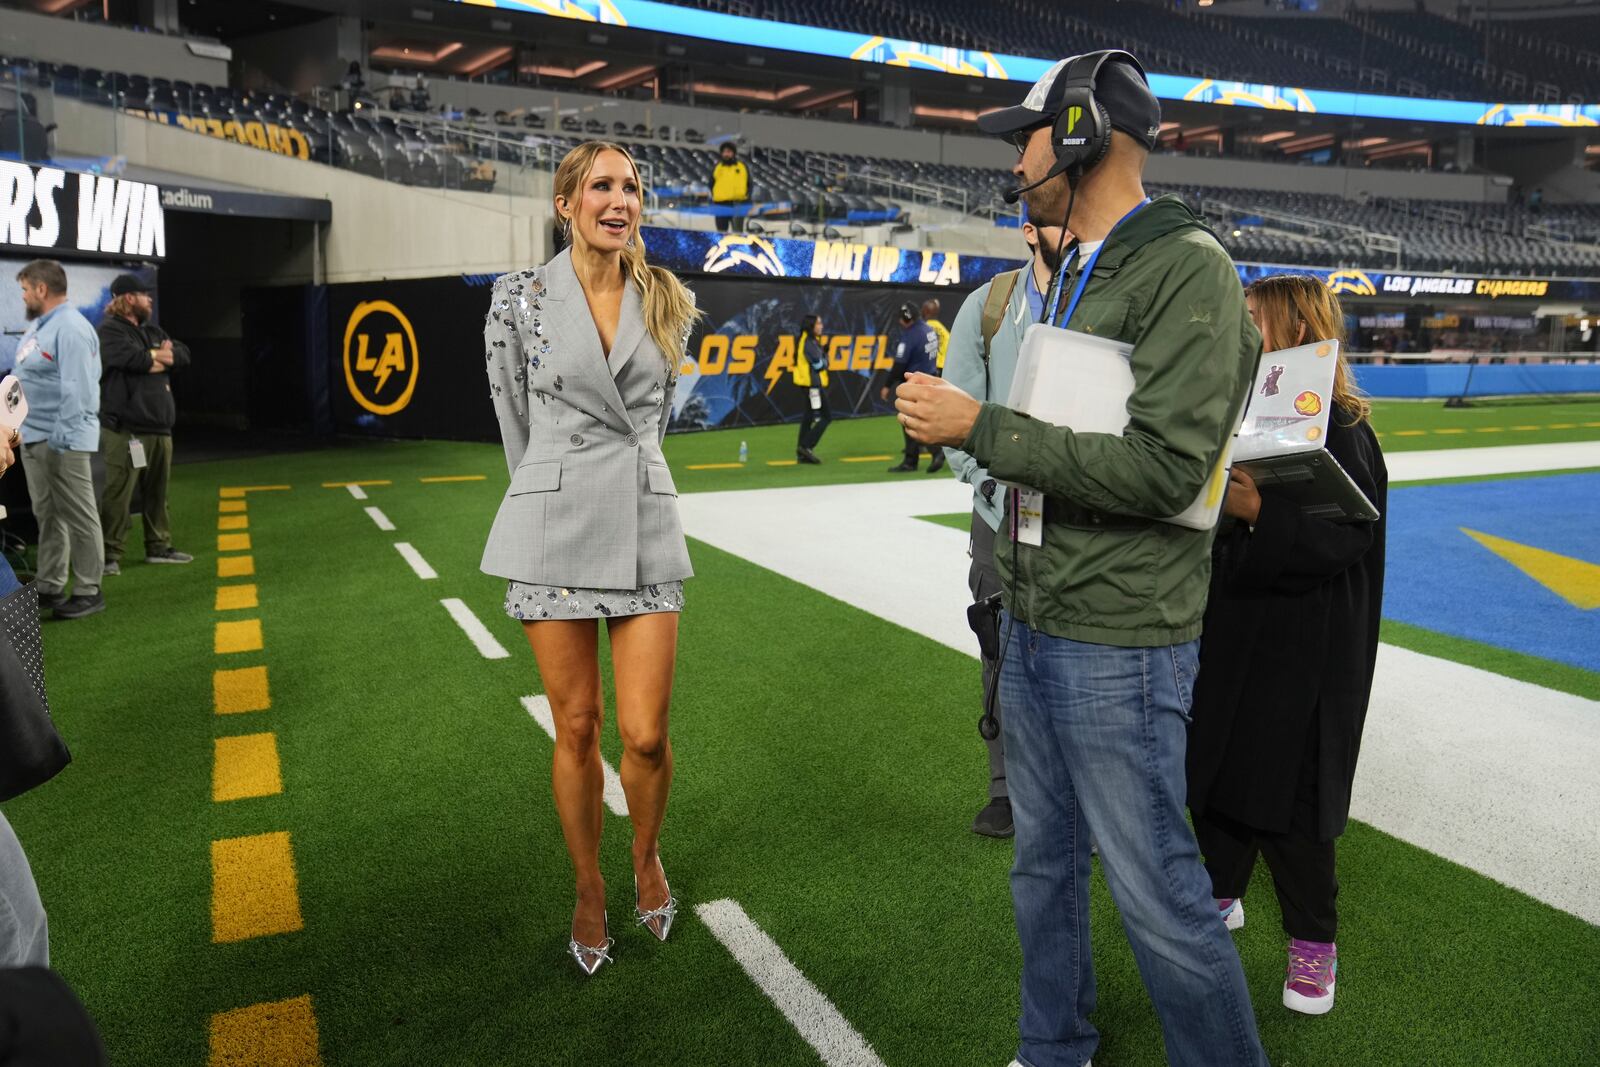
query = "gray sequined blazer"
{"x": 591, "y": 502}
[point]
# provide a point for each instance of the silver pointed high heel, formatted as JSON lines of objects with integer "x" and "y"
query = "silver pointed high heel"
{"x": 657, "y": 920}
{"x": 590, "y": 957}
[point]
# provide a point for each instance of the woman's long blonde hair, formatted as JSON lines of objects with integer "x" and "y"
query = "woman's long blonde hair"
{"x": 1285, "y": 302}
{"x": 669, "y": 309}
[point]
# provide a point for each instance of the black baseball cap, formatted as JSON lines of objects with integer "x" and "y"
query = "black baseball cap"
{"x": 123, "y": 284}
{"x": 1121, "y": 89}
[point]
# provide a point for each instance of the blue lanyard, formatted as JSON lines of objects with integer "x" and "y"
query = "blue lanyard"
{"x": 1088, "y": 269}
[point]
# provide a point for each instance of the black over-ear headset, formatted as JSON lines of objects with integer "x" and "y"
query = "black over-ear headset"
{"x": 1082, "y": 133}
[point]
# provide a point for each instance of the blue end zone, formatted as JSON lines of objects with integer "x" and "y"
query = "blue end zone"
{"x": 1441, "y": 579}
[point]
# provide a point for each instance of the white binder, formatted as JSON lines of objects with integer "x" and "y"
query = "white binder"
{"x": 1083, "y": 383}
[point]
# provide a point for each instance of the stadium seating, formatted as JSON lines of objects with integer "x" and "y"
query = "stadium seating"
{"x": 1359, "y": 52}
{"x": 836, "y": 189}
{"x": 380, "y": 146}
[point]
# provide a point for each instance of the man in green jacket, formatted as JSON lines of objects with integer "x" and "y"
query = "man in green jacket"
{"x": 1102, "y": 617}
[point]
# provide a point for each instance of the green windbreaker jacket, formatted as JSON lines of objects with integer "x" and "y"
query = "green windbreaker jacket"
{"x": 1104, "y": 575}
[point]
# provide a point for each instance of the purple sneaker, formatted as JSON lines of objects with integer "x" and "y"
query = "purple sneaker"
{"x": 1232, "y": 911}
{"x": 1308, "y": 989}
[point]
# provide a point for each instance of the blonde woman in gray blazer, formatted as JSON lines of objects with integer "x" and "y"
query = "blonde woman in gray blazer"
{"x": 582, "y": 357}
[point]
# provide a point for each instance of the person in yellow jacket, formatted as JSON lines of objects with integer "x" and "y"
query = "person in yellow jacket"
{"x": 930, "y": 315}
{"x": 730, "y": 188}
{"x": 811, "y": 374}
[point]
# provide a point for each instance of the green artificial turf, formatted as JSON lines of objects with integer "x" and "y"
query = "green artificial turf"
{"x": 828, "y": 791}
{"x": 1407, "y": 425}
{"x": 961, "y": 520}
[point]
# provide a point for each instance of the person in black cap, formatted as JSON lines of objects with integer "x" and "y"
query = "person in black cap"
{"x": 917, "y": 352}
{"x": 136, "y": 416}
{"x": 1103, "y": 602}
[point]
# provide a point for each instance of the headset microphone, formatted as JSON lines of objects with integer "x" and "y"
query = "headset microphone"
{"x": 1011, "y": 196}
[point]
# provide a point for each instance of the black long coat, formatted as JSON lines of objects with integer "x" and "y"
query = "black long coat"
{"x": 1291, "y": 636}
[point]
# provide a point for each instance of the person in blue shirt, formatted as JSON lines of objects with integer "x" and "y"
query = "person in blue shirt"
{"x": 917, "y": 352}
{"x": 982, "y": 359}
{"x": 58, "y": 364}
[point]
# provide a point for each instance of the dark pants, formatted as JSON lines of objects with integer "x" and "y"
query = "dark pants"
{"x": 61, "y": 485}
{"x": 816, "y": 419}
{"x": 733, "y": 223}
{"x": 913, "y": 449}
{"x": 1302, "y": 866}
{"x": 121, "y": 477}
{"x": 984, "y": 581}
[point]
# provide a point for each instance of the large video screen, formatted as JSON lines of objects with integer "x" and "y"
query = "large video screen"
{"x": 866, "y": 48}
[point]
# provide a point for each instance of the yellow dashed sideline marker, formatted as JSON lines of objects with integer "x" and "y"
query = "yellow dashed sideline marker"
{"x": 234, "y": 492}
{"x": 454, "y": 478}
{"x": 238, "y": 691}
{"x": 253, "y": 888}
{"x": 343, "y": 485}
{"x": 245, "y": 767}
{"x": 280, "y": 1034}
{"x": 715, "y": 467}
{"x": 234, "y": 597}
{"x": 242, "y": 636}
{"x": 864, "y": 459}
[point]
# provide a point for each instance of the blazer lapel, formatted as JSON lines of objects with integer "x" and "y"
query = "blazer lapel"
{"x": 630, "y": 330}
{"x": 582, "y": 340}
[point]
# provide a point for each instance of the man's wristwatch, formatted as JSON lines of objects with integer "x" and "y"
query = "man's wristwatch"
{"x": 987, "y": 488}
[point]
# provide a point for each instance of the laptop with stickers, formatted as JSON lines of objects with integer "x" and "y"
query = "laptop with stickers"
{"x": 1283, "y": 441}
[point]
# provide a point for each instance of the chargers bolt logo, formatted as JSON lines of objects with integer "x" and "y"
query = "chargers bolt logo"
{"x": 1354, "y": 282}
{"x": 743, "y": 250}
{"x": 380, "y": 357}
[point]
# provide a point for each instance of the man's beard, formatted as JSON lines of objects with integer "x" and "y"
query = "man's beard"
{"x": 1050, "y": 252}
{"x": 142, "y": 314}
{"x": 1047, "y": 205}
{"x": 32, "y": 311}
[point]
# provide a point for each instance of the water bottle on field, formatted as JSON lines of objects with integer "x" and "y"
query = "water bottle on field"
{"x": 744, "y": 451}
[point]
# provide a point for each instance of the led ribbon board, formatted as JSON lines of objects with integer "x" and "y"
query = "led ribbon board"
{"x": 865, "y": 48}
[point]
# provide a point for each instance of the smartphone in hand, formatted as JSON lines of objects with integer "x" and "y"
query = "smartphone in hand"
{"x": 13, "y": 404}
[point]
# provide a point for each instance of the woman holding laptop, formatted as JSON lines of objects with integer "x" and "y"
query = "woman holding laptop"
{"x": 1286, "y": 662}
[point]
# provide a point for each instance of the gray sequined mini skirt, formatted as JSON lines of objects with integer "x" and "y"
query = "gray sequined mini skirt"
{"x": 533, "y": 603}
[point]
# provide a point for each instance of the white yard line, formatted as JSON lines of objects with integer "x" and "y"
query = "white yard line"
{"x": 1496, "y": 459}
{"x": 418, "y": 564}
{"x": 475, "y": 630}
{"x": 1493, "y": 774}
{"x": 357, "y": 492}
{"x": 802, "y": 1003}
{"x": 611, "y": 791}
{"x": 380, "y": 518}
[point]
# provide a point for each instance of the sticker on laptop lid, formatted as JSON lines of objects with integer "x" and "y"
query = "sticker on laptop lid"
{"x": 1308, "y": 403}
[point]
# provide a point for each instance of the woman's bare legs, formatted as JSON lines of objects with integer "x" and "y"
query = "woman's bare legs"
{"x": 569, "y": 666}
{"x": 644, "y": 650}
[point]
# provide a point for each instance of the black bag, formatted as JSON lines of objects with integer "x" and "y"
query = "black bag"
{"x": 31, "y": 752}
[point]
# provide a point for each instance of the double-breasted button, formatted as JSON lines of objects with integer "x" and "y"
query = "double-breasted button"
{"x": 633, "y": 440}
{"x": 576, "y": 439}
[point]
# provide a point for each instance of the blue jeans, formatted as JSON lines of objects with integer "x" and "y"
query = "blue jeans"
{"x": 1095, "y": 737}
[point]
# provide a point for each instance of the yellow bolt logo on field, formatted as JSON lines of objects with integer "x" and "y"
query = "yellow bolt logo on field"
{"x": 380, "y": 353}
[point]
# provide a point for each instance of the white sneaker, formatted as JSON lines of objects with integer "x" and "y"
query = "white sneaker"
{"x": 1233, "y": 916}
